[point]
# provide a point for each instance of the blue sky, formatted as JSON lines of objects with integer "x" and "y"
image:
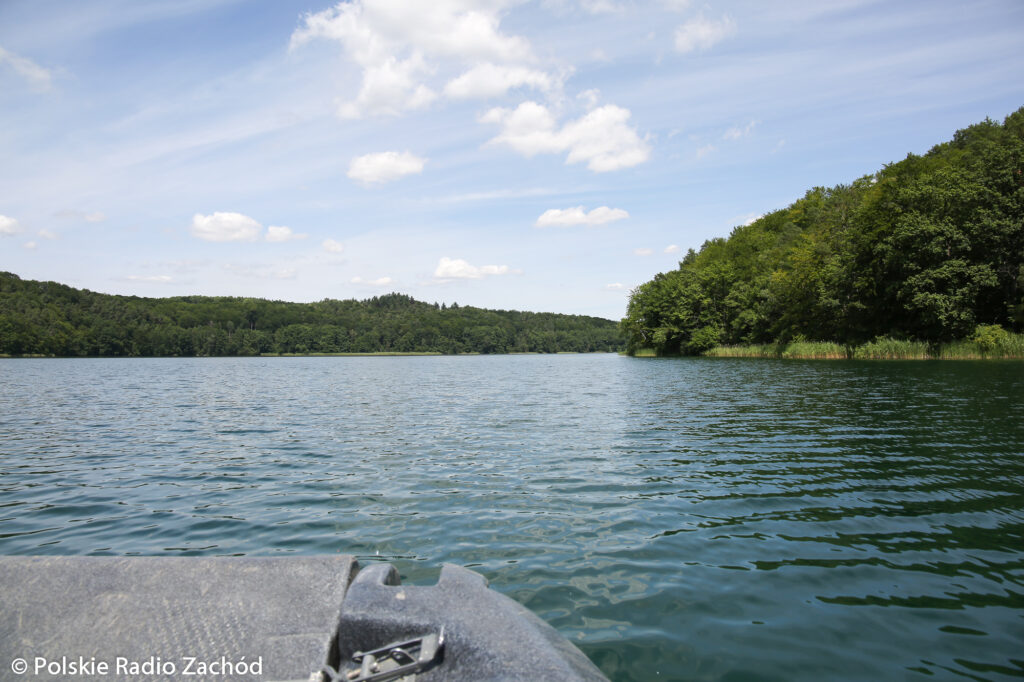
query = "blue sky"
{"x": 545, "y": 155}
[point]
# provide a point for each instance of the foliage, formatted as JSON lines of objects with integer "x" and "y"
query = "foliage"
{"x": 925, "y": 250}
{"x": 989, "y": 337}
{"x": 46, "y": 318}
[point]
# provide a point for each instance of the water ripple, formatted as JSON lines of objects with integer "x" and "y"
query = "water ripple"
{"x": 678, "y": 519}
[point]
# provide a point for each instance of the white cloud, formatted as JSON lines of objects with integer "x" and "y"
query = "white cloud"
{"x": 599, "y": 6}
{"x": 672, "y": 248}
{"x": 233, "y": 227}
{"x": 379, "y": 282}
{"x": 643, "y": 251}
{"x": 29, "y": 245}
{"x": 705, "y": 150}
{"x": 736, "y": 132}
{"x": 332, "y": 246}
{"x": 154, "y": 279}
{"x": 279, "y": 233}
{"x": 491, "y": 80}
{"x": 47, "y": 234}
{"x": 262, "y": 271}
{"x": 75, "y": 214}
{"x": 456, "y": 268}
{"x": 614, "y": 286}
{"x": 565, "y": 217}
{"x": 601, "y": 138}
{"x": 225, "y": 227}
{"x": 38, "y": 77}
{"x": 389, "y": 89}
{"x": 9, "y": 226}
{"x": 506, "y": 193}
{"x": 399, "y": 45}
{"x": 589, "y": 97}
{"x": 700, "y": 33}
{"x": 384, "y": 166}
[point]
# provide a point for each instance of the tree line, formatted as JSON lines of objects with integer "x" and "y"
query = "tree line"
{"x": 929, "y": 249}
{"x": 47, "y": 318}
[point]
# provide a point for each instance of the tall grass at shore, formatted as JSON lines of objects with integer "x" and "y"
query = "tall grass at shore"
{"x": 892, "y": 349}
{"x": 823, "y": 350}
{"x": 986, "y": 344}
{"x": 765, "y": 350}
{"x": 989, "y": 342}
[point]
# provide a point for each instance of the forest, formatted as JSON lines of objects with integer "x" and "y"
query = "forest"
{"x": 51, "y": 319}
{"x": 928, "y": 251}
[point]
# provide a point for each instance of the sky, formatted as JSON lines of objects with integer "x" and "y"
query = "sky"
{"x": 545, "y": 156}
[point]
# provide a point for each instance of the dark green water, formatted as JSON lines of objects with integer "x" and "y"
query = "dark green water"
{"x": 702, "y": 519}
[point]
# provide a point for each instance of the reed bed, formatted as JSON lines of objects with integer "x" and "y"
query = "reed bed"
{"x": 768, "y": 350}
{"x": 892, "y": 349}
{"x": 1006, "y": 347}
{"x": 984, "y": 345}
{"x": 806, "y": 350}
{"x": 816, "y": 350}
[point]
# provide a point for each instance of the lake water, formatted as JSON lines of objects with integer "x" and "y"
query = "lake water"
{"x": 678, "y": 519}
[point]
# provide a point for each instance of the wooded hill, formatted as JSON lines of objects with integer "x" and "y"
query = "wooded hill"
{"x": 46, "y": 318}
{"x": 927, "y": 249}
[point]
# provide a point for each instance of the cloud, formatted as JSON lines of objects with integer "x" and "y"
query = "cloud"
{"x": 614, "y": 286}
{"x": 701, "y": 34}
{"x": 736, "y": 132}
{"x": 47, "y": 234}
{"x": 236, "y": 227}
{"x": 379, "y": 282}
{"x": 262, "y": 271}
{"x": 389, "y": 89}
{"x": 39, "y": 78}
{"x": 75, "y": 214}
{"x": 154, "y": 279}
{"x": 29, "y": 245}
{"x": 399, "y": 46}
{"x": 599, "y": 6}
{"x": 589, "y": 97}
{"x": 489, "y": 195}
{"x": 456, "y": 268}
{"x": 9, "y": 226}
{"x": 565, "y": 217}
{"x": 672, "y": 248}
{"x": 278, "y": 233}
{"x": 332, "y": 246}
{"x": 225, "y": 227}
{"x": 705, "y": 150}
{"x": 643, "y": 251}
{"x": 384, "y": 166}
{"x": 601, "y": 138}
{"x": 491, "y": 80}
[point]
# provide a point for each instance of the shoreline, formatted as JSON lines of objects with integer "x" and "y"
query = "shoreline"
{"x": 382, "y": 353}
{"x": 1010, "y": 347}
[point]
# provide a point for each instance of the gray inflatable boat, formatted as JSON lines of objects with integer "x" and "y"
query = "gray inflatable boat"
{"x": 321, "y": 619}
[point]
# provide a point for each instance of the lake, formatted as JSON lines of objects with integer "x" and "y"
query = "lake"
{"x": 678, "y": 519}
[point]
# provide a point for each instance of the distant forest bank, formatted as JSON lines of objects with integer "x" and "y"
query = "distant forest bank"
{"x": 51, "y": 319}
{"x": 923, "y": 259}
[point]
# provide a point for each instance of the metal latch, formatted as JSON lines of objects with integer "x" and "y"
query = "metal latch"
{"x": 391, "y": 662}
